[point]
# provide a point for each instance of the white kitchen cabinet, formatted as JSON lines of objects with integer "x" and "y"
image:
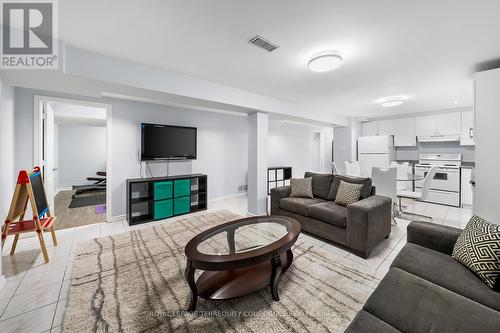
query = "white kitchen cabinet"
{"x": 425, "y": 125}
{"x": 404, "y": 132}
{"x": 467, "y": 132}
{"x": 385, "y": 127}
{"x": 441, "y": 124}
{"x": 369, "y": 128}
{"x": 448, "y": 123}
{"x": 466, "y": 188}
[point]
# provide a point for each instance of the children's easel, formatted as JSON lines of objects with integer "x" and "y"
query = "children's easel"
{"x": 29, "y": 187}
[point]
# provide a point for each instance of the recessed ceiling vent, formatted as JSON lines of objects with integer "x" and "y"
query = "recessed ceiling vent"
{"x": 263, "y": 44}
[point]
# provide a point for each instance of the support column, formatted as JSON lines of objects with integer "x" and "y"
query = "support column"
{"x": 7, "y": 173}
{"x": 257, "y": 163}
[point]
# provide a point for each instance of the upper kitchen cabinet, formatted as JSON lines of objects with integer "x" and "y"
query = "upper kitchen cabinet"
{"x": 437, "y": 125}
{"x": 404, "y": 132}
{"x": 448, "y": 123}
{"x": 369, "y": 128}
{"x": 425, "y": 125}
{"x": 467, "y": 133}
{"x": 385, "y": 127}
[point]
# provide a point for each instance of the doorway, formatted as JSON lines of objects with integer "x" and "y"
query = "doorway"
{"x": 318, "y": 154}
{"x": 73, "y": 151}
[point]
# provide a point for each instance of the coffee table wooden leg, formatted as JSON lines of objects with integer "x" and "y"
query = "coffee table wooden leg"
{"x": 276, "y": 269}
{"x": 189, "y": 275}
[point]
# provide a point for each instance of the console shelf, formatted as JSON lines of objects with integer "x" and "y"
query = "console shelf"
{"x": 158, "y": 198}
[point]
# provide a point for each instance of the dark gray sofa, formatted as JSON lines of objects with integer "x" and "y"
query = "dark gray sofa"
{"x": 359, "y": 226}
{"x": 426, "y": 290}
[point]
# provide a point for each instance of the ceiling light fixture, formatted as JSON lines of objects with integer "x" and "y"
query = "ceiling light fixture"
{"x": 324, "y": 62}
{"x": 392, "y": 101}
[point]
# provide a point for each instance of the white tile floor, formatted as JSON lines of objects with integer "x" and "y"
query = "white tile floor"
{"x": 34, "y": 297}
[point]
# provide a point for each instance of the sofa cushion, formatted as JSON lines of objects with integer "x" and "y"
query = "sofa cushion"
{"x": 329, "y": 212}
{"x": 412, "y": 304}
{"x": 478, "y": 249}
{"x": 366, "y": 322}
{"x": 321, "y": 184}
{"x": 298, "y": 205}
{"x": 301, "y": 187}
{"x": 443, "y": 270}
{"x": 366, "y": 190}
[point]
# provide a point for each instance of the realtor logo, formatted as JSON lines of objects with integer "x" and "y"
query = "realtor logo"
{"x": 29, "y": 39}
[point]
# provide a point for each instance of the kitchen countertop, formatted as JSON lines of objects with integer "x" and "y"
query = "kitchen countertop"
{"x": 468, "y": 165}
{"x": 412, "y": 162}
{"x": 465, "y": 164}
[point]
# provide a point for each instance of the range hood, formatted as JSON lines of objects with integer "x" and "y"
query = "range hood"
{"x": 439, "y": 138}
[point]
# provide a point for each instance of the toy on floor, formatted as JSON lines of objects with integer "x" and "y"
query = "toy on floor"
{"x": 30, "y": 188}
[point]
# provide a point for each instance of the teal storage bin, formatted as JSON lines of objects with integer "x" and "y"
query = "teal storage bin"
{"x": 162, "y": 190}
{"x": 182, "y": 205}
{"x": 163, "y": 209}
{"x": 182, "y": 187}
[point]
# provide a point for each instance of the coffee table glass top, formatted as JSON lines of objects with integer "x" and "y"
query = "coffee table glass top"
{"x": 245, "y": 236}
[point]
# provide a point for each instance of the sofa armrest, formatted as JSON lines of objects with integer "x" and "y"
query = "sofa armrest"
{"x": 277, "y": 194}
{"x": 436, "y": 237}
{"x": 368, "y": 222}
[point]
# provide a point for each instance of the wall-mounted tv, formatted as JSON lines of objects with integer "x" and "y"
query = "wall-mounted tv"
{"x": 167, "y": 142}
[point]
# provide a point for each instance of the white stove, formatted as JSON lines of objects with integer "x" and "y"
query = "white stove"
{"x": 445, "y": 187}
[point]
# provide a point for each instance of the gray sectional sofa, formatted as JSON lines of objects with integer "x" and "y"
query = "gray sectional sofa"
{"x": 426, "y": 290}
{"x": 359, "y": 226}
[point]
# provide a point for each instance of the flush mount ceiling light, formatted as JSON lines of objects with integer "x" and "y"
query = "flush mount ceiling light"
{"x": 325, "y": 62}
{"x": 392, "y": 101}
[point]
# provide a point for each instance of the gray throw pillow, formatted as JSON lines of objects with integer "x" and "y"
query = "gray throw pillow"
{"x": 301, "y": 187}
{"x": 348, "y": 193}
{"x": 478, "y": 249}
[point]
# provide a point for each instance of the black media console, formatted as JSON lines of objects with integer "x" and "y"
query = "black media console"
{"x": 158, "y": 198}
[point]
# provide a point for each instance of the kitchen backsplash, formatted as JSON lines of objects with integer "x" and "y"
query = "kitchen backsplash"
{"x": 411, "y": 153}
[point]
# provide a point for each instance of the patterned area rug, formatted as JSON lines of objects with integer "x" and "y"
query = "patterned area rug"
{"x": 134, "y": 282}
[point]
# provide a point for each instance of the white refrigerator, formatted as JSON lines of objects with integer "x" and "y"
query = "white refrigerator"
{"x": 375, "y": 151}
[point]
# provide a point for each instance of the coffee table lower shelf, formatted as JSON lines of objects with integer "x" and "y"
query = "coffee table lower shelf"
{"x": 220, "y": 285}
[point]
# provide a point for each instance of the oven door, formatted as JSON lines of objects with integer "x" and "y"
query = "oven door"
{"x": 445, "y": 179}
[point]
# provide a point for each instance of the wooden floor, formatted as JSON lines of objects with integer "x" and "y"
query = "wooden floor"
{"x": 74, "y": 217}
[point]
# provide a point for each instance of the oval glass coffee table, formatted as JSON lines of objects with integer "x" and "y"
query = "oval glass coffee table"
{"x": 240, "y": 257}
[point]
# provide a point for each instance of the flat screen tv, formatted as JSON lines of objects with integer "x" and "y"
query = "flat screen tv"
{"x": 166, "y": 142}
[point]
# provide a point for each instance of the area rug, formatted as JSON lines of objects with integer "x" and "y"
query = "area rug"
{"x": 134, "y": 282}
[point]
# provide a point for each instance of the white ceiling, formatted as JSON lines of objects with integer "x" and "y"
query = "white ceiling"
{"x": 426, "y": 50}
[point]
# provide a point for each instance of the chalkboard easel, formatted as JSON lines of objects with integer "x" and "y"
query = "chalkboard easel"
{"x": 29, "y": 188}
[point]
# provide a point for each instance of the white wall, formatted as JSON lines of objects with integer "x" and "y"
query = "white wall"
{"x": 222, "y": 143}
{"x": 487, "y": 137}
{"x": 292, "y": 144}
{"x": 7, "y": 173}
{"x": 411, "y": 153}
{"x": 81, "y": 152}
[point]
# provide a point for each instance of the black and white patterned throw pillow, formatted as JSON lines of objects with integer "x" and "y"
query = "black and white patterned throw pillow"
{"x": 301, "y": 187}
{"x": 348, "y": 193}
{"x": 478, "y": 249}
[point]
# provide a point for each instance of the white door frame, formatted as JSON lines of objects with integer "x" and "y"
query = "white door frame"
{"x": 37, "y": 132}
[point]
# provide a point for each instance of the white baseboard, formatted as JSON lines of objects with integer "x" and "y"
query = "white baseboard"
{"x": 230, "y": 196}
{"x": 60, "y": 189}
{"x": 225, "y": 197}
{"x": 118, "y": 218}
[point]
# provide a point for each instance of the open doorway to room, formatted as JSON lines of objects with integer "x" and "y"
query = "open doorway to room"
{"x": 73, "y": 138}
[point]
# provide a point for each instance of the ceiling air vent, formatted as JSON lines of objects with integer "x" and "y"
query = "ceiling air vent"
{"x": 262, "y": 43}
